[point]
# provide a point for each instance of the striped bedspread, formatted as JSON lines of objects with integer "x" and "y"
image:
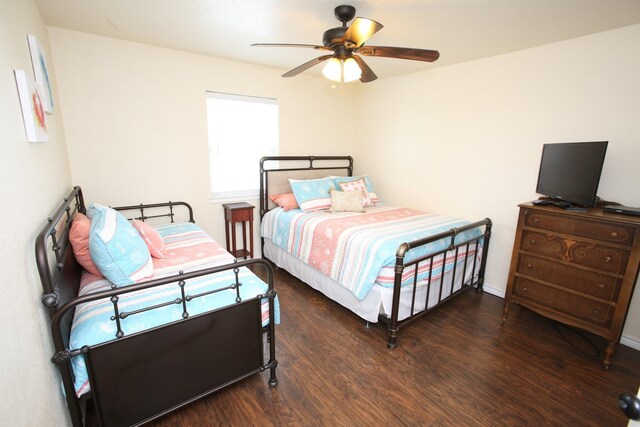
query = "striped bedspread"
{"x": 357, "y": 250}
{"x": 187, "y": 248}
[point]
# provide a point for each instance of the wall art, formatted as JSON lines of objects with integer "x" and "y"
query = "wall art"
{"x": 32, "y": 107}
{"x": 41, "y": 72}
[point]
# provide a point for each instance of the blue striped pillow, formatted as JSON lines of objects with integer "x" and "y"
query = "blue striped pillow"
{"x": 116, "y": 247}
{"x": 313, "y": 194}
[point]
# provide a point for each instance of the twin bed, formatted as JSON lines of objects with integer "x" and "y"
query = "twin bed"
{"x": 132, "y": 352}
{"x": 202, "y": 320}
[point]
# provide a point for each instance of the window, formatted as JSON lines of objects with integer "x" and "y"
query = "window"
{"x": 242, "y": 129}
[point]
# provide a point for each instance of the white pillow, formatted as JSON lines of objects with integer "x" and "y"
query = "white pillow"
{"x": 346, "y": 201}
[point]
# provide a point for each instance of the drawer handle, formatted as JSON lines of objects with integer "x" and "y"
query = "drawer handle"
{"x": 532, "y": 241}
{"x": 524, "y": 289}
{"x": 595, "y": 312}
{"x": 535, "y": 220}
{"x": 529, "y": 266}
{"x": 614, "y": 234}
{"x": 607, "y": 259}
{"x": 601, "y": 286}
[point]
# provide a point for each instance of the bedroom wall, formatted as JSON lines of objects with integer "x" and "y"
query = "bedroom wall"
{"x": 35, "y": 177}
{"x": 135, "y": 119}
{"x": 466, "y": 139}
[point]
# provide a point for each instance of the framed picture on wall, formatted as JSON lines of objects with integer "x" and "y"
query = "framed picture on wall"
{"x": 32, "y": 107}
{"x": 41, "y": 73}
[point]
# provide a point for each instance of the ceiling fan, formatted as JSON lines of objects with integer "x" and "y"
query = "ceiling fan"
{"x": 347, "y": 43}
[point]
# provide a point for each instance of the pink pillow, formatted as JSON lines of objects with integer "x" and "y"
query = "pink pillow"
{"x": 286, "y": 201}
{"x": 79, "y": 238}
{"x": 151, "y": 238}
{"x": 357, "y": 185}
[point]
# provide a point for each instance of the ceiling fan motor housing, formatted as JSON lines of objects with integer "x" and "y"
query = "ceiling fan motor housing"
{"x": 333, "y": 36}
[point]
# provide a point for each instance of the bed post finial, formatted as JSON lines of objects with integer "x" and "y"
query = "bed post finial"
{"x": 51, "y": 300}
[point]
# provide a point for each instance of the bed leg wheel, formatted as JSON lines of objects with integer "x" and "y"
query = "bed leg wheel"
{"x": 273, "y": 382}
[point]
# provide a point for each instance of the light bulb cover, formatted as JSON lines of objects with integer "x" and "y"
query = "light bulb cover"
{"x": 342, "y": 71}
{"x": 333, "y": 70}
{"x": 351, "y": 70}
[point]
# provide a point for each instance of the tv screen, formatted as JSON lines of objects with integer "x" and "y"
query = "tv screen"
{"x": 571, "y": 171}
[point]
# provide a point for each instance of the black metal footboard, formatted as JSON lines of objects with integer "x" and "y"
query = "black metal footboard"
{"x": 136, "y": 378}
{"x": 465, "y": 258}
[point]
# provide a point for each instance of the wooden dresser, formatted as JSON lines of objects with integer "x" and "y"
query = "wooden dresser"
{"x": 579, "y": 268}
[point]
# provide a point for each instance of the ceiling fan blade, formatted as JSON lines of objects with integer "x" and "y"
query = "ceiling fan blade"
{"x": 306, "y": 65}
{"x": 290, "y": 45}
{"x": 400, "y": 52}
{"x": 367, "y": 73}
{"x": 359, "y": 31}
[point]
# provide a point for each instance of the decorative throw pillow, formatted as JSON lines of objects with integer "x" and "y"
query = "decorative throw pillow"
{"x": 79, "y": 238}
{"x": 313, "y": 194}
{"x": 357, "y": 185}
{"x": 117, "y": 249}
{"x": 367, "y": 182}
{"x": 286, "y": 201}
{"x": 346, "y": 201}
{"x": 151, "y": 237}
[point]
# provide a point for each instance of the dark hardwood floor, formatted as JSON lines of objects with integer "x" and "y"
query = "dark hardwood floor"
{"x": 455, "y": 367}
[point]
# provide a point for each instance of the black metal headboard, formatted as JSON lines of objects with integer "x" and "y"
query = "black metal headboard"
{"x": 58, "y": 269}
{"x": 297, "y": 167}
{"x": 56, "y": 231}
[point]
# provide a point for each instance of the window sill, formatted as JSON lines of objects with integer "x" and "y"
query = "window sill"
{"x": 235, "y": 197}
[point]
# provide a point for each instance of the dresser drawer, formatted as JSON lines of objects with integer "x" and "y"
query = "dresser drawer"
{"x": 593, "y": 255}
{"x": 611, "y": 232}
{"x": 563, "y": 302}
{"x": 579, "y": 280}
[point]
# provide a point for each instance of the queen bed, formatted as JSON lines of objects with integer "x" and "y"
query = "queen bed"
{"x": 382, "y": 262}
{"x": 186, "y": 319}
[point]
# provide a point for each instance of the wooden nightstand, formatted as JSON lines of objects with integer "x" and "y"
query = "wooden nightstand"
{"x": 242, "y": 213}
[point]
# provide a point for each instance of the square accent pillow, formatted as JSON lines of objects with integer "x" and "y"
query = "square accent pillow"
{"x": 286, "y": 201}
{"x": 357, "y": 185}
{"x": 79, "y": 238}
{"x": 346, "y": 201}
{"x": 151, "y": 237}
{"x": 367, "y": 182}
{"x": 117, "y": 249}
{"x": 313, "y": 194}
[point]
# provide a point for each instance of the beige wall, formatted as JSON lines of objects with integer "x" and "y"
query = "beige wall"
{"x": 34, "y": 178}
{"x": 466, "y": 139}
{"x": 135, "y": 119}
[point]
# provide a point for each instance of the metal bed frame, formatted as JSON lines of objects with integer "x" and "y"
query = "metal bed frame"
{"x": 344, "y": 165}
{"x": 138, "y": 377}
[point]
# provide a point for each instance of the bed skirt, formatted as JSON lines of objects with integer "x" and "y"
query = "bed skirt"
{"x": 378, "y": 301}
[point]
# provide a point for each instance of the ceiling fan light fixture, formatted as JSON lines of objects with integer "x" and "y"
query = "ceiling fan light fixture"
{"x": 351, "y": 70}
{"x": 342, "y": 71}
{"x": 333, "y": 70}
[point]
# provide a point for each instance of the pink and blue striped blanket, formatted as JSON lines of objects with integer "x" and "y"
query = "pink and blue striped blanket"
{"x": 357, "y": 250}
{"x": 187, "y": 248}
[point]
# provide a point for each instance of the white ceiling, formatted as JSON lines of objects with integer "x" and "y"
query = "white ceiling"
{"x": 461, "y": 30}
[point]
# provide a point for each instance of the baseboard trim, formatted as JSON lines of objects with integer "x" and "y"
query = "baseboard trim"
{"x": 630, "y": 342}
{"x": 493, "y": 291}
{"x": 624, "y": 340}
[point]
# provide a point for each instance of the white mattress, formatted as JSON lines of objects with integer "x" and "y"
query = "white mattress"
{"x": 378, "y": 300}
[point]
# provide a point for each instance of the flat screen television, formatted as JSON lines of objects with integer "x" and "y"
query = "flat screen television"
{"x": 570, "y": 171}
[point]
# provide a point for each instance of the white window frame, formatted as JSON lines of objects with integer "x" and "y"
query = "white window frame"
{"x": 250, "y": 125}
